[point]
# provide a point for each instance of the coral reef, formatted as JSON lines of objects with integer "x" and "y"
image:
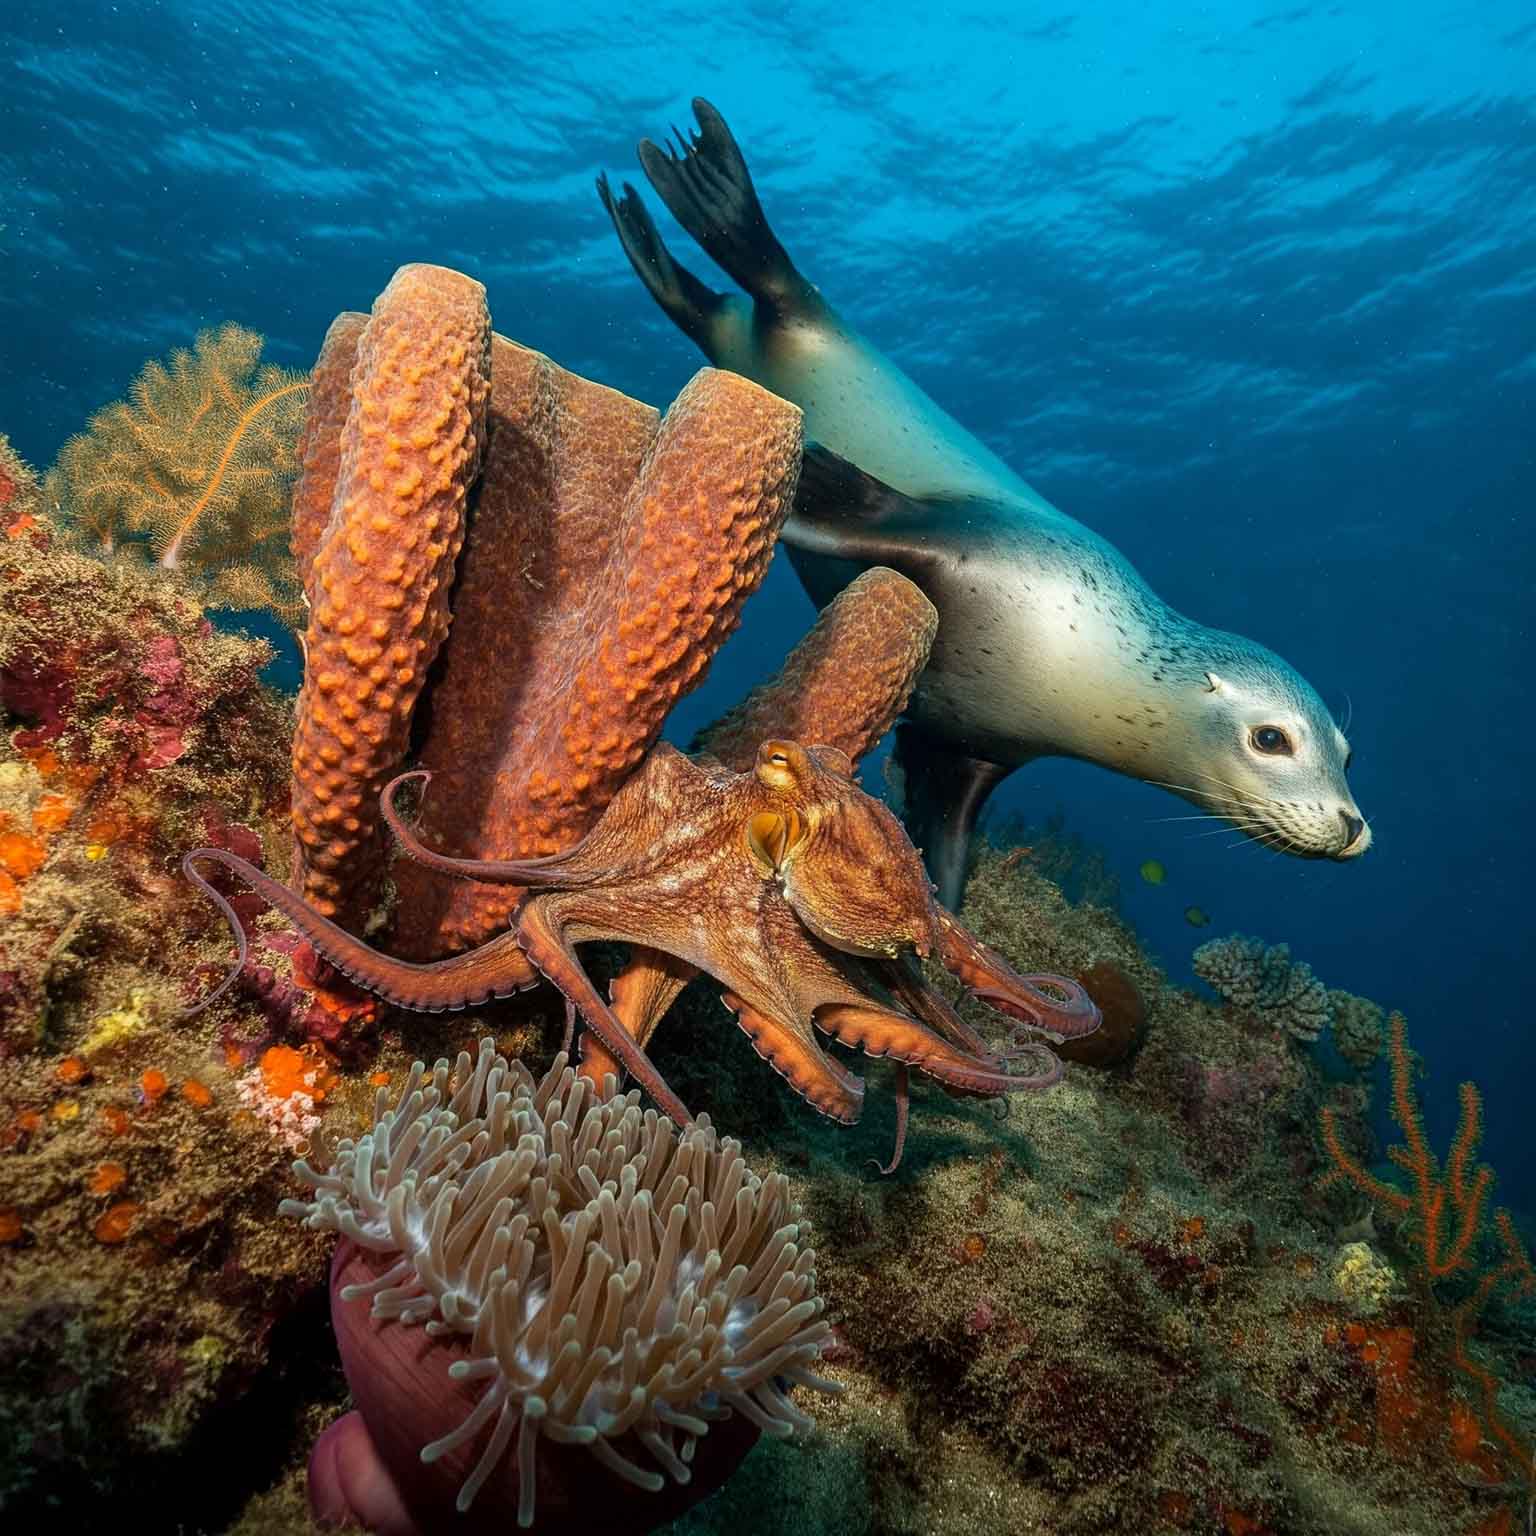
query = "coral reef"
{"x": 194, "y": 472}
{"x": 141, "y": 1289}
{"x": 1264, "y": 983}
{"x": 609, "y": 1284}
{"x": 1119, "y": 1307}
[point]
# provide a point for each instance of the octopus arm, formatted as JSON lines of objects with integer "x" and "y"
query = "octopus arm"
{"x": 788, "y": 1046}
{"x": 650, "y": 982}
{"x": 1053, "y": 1004}
{"x": 497, "y": 969}
{"x": 542, "y": 935}
{"x": 883, "y": 1032}
{"x": 554, "y": 869}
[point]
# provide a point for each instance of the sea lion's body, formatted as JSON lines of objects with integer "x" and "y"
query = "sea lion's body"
{"x": 1049, "y": 641}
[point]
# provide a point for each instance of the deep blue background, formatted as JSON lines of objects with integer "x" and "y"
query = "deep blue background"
{"x": 1248, "y": 289}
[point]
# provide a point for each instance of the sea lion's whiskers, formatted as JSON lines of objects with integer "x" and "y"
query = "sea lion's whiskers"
{"x": 1245, "y": 795}
{"x": 1202, "y": 793}
{"x": 1260, "y": 839}
{"x": 1246, "y": 799}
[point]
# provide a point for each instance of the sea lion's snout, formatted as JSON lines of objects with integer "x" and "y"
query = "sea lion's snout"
{"x": 1357, "y": 836}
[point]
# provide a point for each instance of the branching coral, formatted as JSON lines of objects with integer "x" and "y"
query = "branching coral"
{"x": 1263, "y": 981}
{"x": 1445, "y": 1206}
{"x": 1444, "y": 1209}
{"x": 194, "y": 471}
{"x": 609, "y": 1283}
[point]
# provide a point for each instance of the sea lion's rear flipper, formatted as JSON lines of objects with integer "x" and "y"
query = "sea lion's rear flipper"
{"x": 943, "y": 792}
{"x": 706, "y": 184}
{"x": 692, "y": 304}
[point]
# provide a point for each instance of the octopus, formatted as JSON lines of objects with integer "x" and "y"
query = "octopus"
{"x": 457, "y": 519}
{"x": 799, "y": 893}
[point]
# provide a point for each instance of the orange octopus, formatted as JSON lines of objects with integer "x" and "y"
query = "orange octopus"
{"x": 605, "y": 556}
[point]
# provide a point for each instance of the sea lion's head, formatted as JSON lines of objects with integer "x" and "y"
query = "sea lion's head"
{"x": 1271, "y": 760}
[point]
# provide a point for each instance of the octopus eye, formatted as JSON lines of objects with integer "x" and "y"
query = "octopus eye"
{"x": 780, "y": 764}
{"x": 770, "y": 840}
{"x": 1271, "y": 741}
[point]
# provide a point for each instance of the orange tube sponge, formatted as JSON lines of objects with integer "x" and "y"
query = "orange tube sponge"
{"x": 612, "y": 616}
{"x": 319, "y": 450}
{"x": 817, "y": 698}
{"x": 380, "y": 579}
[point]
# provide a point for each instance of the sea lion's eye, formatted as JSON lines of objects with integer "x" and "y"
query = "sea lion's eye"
{"x": 1270, "y": 740}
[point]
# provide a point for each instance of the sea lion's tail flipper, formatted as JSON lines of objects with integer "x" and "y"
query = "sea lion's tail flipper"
{"x": 943, "y": 791}
{"x": 692, "y": 304}
{"x": 706, "y": 184}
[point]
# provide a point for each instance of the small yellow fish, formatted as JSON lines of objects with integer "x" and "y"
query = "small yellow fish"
{"x": 1153, "y": 872}
{"x": 1196, "y": 918}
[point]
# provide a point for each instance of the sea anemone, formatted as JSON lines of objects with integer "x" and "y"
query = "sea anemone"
{"x": 586, "y": 1275}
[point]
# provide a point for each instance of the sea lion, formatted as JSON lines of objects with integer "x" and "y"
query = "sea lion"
{"x": 1049, "y": 642}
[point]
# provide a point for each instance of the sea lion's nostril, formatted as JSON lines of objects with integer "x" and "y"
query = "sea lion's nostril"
{"x": 1353, "y": 827}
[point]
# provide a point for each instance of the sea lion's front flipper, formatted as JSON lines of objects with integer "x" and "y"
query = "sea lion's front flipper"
{"x": 843, "y": 512}
{"x": 706, "y": 184}
{"x": 943, "y": 792}
{"x": 691, "y": 303}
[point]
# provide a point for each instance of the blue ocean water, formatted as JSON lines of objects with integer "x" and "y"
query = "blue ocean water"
{"x": 1246, "y": 288}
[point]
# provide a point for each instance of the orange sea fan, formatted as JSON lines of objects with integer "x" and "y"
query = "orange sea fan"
{"x": 195, "y": 470}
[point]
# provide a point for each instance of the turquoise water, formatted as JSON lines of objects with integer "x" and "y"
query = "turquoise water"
{"x": 1247, "y": 289}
